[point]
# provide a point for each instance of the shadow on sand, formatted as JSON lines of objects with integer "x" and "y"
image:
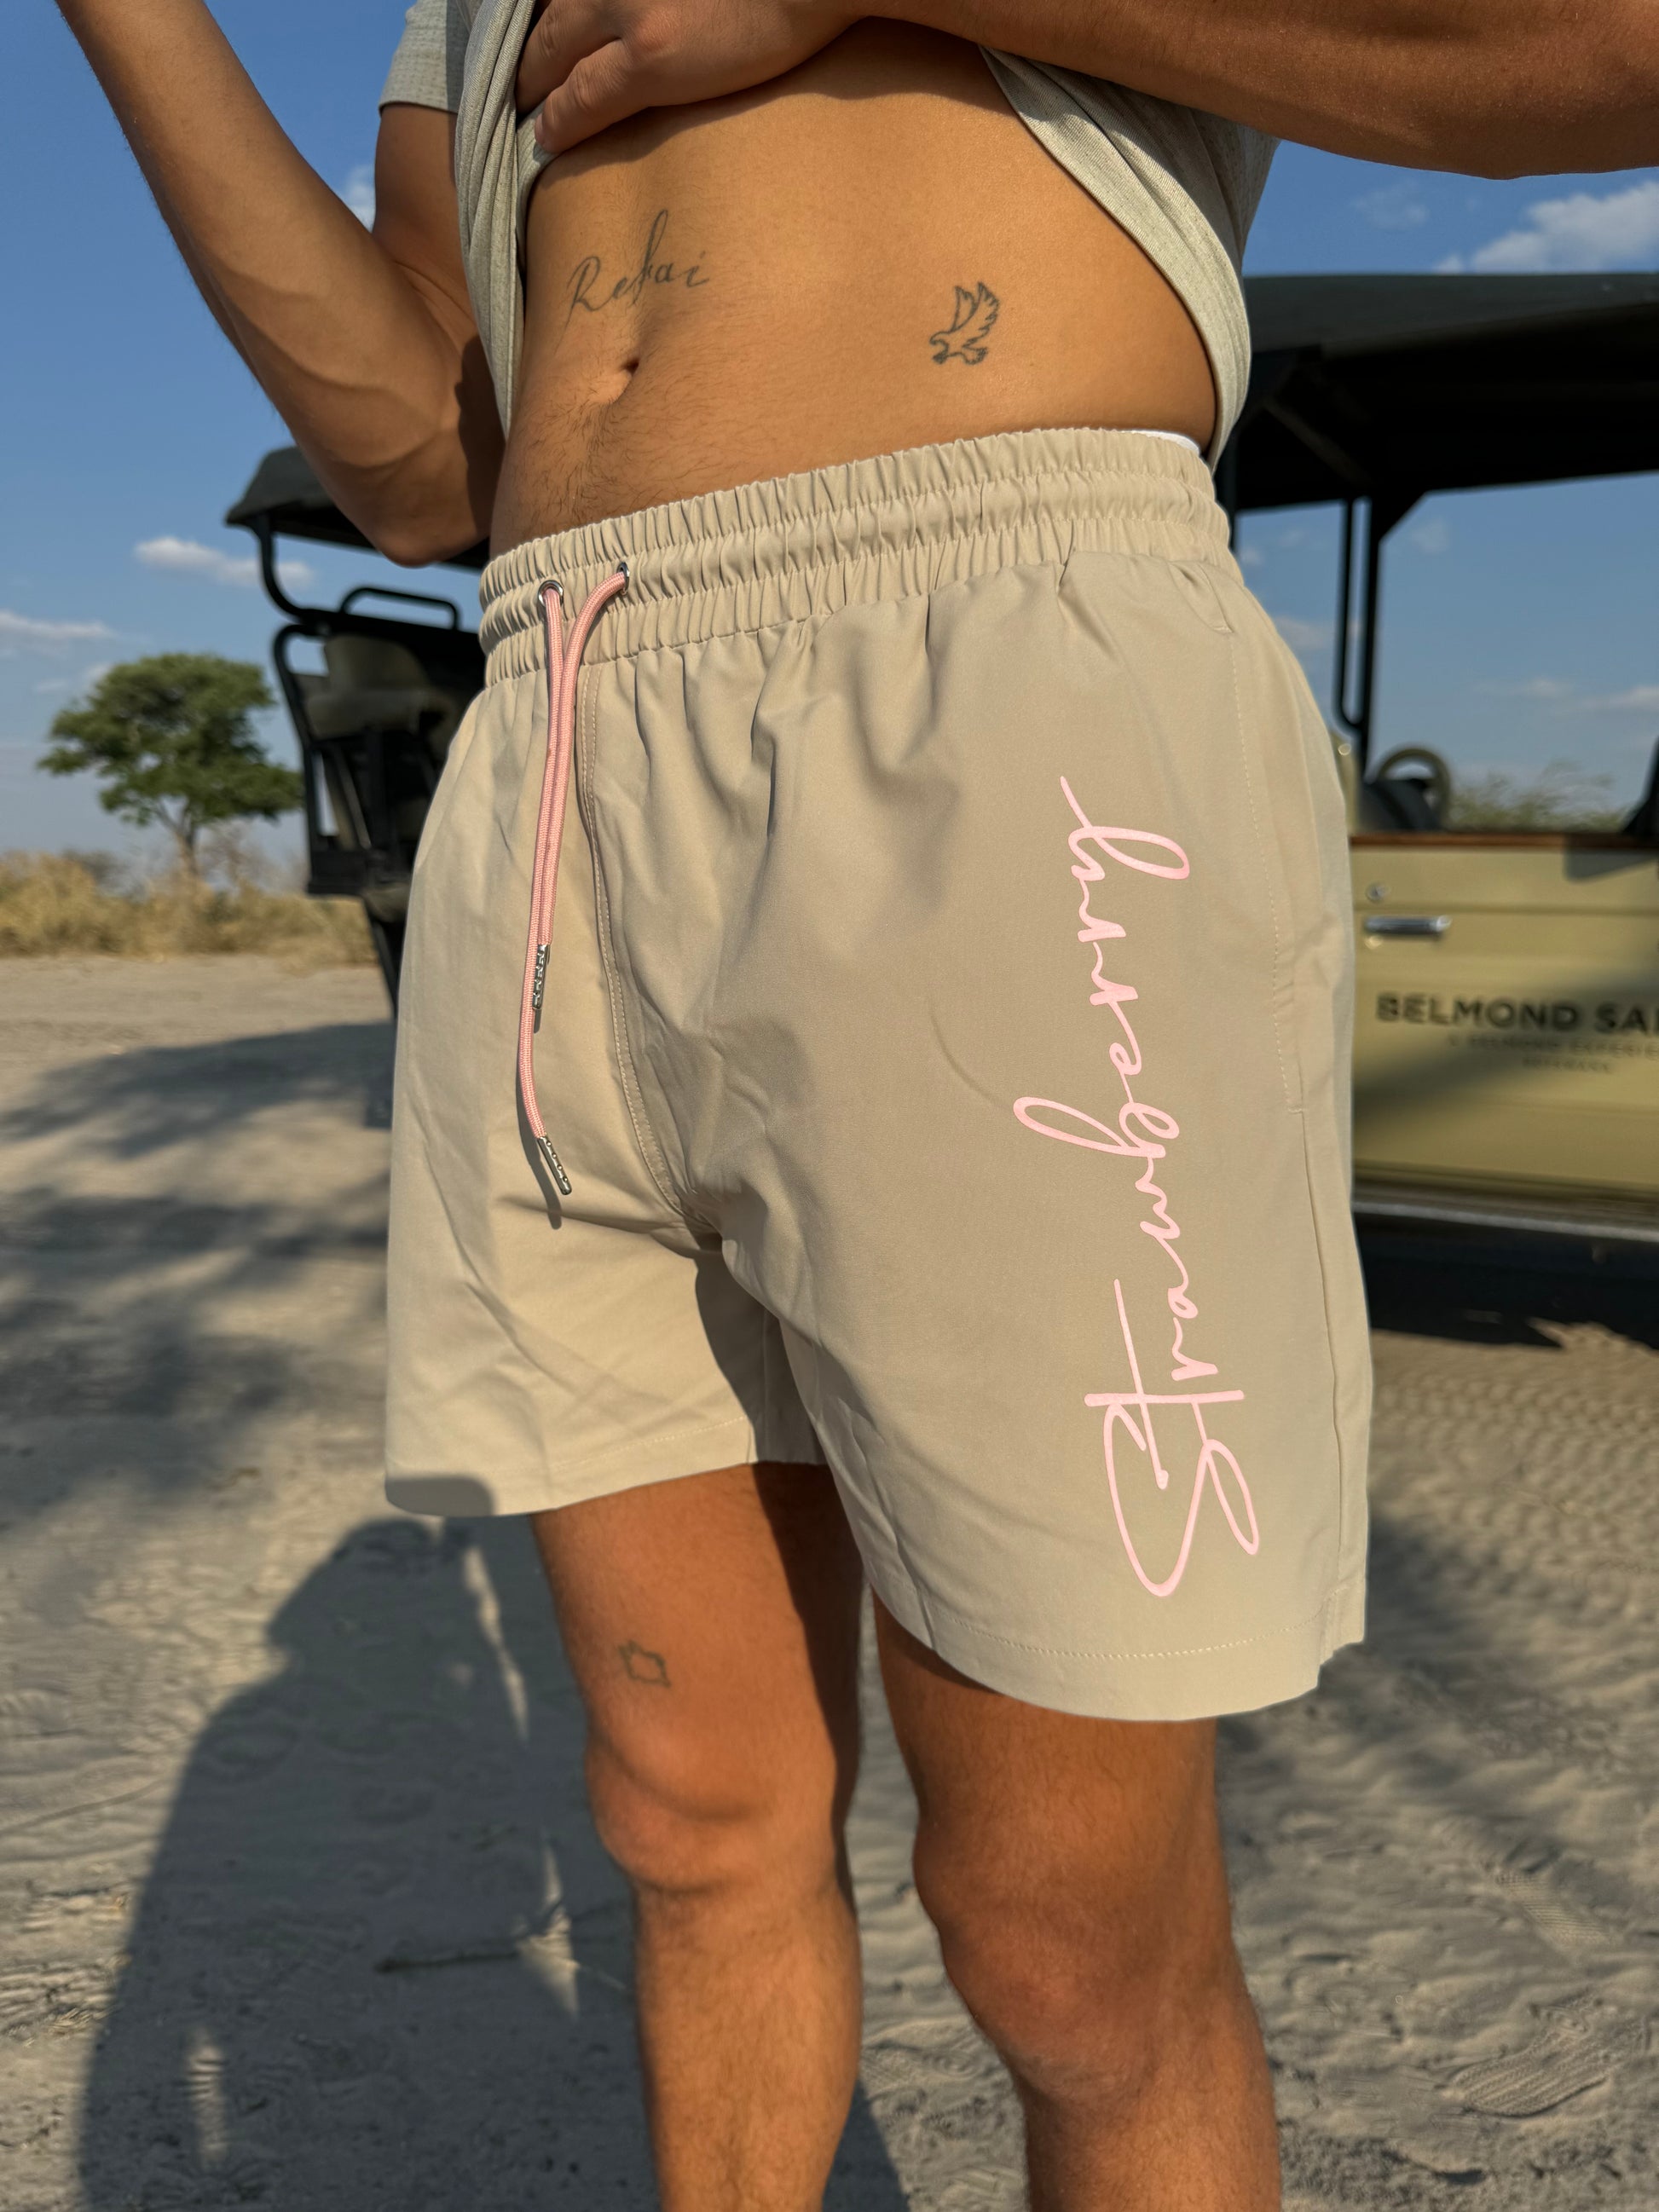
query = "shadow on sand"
{"x": 381, "y": 1959}
{"x": 158, "y": 1097}
{"x": 151, "y": 1308}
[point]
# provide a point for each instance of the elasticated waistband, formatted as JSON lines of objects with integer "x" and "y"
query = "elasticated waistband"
{"x": 884, "y": 529}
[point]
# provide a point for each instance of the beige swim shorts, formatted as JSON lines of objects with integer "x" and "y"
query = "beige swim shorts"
{"x": 945, "y": 1040}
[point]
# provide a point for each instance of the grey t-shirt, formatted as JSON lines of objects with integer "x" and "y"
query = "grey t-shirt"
{"x": 1184, "y": 185}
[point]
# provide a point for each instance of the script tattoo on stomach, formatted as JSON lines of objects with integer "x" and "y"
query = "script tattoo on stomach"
{"x": 588, "y": 286}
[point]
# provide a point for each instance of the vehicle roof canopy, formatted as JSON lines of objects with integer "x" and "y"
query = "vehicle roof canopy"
{"x": 1388, "y": 388}
{"x": 1382, "y": 388}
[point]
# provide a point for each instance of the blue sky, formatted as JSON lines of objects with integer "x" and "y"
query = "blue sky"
{"x": 1521, "y": 625}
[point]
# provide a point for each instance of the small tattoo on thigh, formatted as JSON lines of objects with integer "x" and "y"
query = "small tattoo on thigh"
{"x": 966, "y": 336}
{"x": 642, "y": 1666}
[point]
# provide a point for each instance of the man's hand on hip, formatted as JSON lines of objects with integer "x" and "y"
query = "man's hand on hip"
{"x": 588, "y": 63}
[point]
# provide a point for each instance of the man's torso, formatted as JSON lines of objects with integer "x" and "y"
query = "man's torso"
{"x": 868, "y": 254}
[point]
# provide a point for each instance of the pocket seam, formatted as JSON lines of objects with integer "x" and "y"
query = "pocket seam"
{"x": 1270, "y": 879}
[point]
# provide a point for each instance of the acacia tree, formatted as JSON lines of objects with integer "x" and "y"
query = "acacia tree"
{"x": 171, "y": 739}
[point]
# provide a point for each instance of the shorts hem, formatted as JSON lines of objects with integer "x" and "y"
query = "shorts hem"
{"x": 1200, "y": 1684}
{"x": 605, "y": 1474}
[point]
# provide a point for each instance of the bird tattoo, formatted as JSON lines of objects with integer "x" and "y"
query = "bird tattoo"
{"x": 964, "y": 339}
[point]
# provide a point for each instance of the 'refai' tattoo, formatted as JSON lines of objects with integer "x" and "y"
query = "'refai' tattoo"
{"x": 642, "y": 1666}
{"x": 965, "y": 337}
{"x": 588, "y": 286}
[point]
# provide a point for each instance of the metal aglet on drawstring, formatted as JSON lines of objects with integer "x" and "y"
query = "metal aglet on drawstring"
{"x": 563, "y": 666}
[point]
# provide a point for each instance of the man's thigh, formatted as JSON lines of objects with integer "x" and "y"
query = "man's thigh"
{"x": 712, "y": 1623}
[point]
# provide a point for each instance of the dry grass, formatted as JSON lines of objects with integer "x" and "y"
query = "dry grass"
{"x": 52, "y": 902}
{"x": 1560, "y": 796}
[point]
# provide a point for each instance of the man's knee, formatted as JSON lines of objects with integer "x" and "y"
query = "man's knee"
{"x": 1088, "y": 1974}
{"x": 687, "y": 1823}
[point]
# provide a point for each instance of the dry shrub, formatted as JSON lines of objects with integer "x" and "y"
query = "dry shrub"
{"x": 1561, "y": 795}
{"x": 52, "y": 902}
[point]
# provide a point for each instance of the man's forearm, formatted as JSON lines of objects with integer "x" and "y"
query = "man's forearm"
{"x": 361, "y": 364}
{"x": 1503, "y": 87}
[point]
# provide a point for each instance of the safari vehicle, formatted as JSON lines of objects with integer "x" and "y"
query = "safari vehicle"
{"x": 374, "y": 720}
{"x": 1506, "y": 1055}
{"x": 1507, "y": 1033}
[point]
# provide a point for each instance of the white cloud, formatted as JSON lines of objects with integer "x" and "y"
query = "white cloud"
{"x": 1616, "y": 230}
{"x": 359, "y": 193}
{"x": 27, "y": 633}
{"x": 1431, "y": 537}
{"x": 1552, "y": 690}
{"x": 1640, "y": 699}
{"x": 184, "y": 556}
{"x": 1302, "y": 636}
{"x": 1394, "y": 207}
{"x": 1251, "y": 556}
{"x": 1567, "y": 699}
{"x": 83, "y": 682}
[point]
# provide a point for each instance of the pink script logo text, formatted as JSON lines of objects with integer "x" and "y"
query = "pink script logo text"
{"x": 1145, "y": 1133}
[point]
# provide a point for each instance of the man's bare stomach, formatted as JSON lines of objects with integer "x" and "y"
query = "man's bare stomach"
{"x": 869, "y": 253}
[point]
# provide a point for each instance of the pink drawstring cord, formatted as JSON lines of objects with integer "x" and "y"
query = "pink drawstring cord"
{"x": 563, "y": 666}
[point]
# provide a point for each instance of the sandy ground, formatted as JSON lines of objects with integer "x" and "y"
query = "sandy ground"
{"x": 299, "y": 1904}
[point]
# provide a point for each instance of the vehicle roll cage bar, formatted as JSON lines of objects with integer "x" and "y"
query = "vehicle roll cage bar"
{"x": 1356, "y": 626}
{"x": 1374, "y": 391}
{"x": 316, "y": 622}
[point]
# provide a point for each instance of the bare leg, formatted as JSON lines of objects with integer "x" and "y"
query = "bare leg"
{"x": 713, "y": 1625}
{"x": 1074, "y": 1869}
